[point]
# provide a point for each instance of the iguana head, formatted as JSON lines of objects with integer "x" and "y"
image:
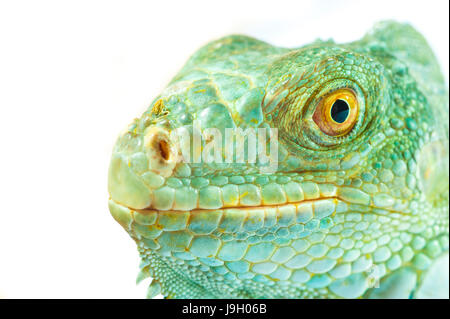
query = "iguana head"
{"x": 358, "y": 192}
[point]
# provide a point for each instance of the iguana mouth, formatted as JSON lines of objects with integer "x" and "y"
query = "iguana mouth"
{"x": 154, "y": 193}
{"x": 322, "y": 206}
{"x": 296, "y": 204}
{"x": 327, "y": 199}
{"x": 305, "y": 213}
{"x": 321, "y": 209}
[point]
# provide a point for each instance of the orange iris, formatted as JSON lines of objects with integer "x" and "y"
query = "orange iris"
{"x": 337, "y": 112}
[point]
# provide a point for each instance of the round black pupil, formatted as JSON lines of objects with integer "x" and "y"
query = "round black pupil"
{"x": 339, "y": 111}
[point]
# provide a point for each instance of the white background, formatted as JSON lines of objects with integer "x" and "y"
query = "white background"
{"x": 74, "y": 73}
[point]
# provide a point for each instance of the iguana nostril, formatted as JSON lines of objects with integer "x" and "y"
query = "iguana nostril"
{"x": 160, "y": 151}
{"x": 164, "y": 149}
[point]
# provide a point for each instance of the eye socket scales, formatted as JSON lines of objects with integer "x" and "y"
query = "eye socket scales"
{"x": 299, "y": 98}
{"x": 337, "y": 112}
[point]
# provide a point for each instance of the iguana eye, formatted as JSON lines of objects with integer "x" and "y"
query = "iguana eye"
{"x": 337, "y": 112}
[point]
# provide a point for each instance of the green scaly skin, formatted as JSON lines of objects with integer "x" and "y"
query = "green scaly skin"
{"x": 361, "y": 215}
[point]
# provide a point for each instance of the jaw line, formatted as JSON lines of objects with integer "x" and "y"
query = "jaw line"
{"x": 238, "y": 208}
{"x": 259, "y": 207}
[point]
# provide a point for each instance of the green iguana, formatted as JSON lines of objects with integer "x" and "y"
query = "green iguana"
{"x": 357, "y": 204}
